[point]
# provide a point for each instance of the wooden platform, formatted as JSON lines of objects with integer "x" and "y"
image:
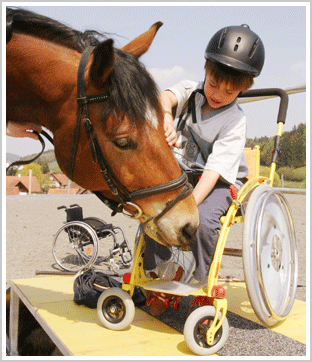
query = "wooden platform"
{"x": 76, "y": 330}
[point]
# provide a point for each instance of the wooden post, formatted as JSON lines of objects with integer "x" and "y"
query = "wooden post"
{"x": 29, "y": 188}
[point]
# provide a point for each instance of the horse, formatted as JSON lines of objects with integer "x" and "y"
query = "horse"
{"x": 103, "y": 110}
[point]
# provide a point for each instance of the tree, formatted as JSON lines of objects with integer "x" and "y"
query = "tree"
{"x": 44, "y": 166}
{"x": 11, "y": 171}
{"x": 36, "y": 171}
{"x": 266, "y": 152}
{"x": 293, "y": 148}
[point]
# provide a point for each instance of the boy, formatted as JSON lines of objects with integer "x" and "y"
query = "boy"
{"x": 211, "y": 134}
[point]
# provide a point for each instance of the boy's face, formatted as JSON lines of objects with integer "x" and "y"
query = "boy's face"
{"x": 219, "y": 95}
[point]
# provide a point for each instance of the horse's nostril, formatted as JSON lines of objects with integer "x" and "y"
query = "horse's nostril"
{"x": 188, "y": 233}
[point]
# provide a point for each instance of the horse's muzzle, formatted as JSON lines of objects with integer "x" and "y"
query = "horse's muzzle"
{"x": 176, "y": 228}
{"x": 188, "y": 233}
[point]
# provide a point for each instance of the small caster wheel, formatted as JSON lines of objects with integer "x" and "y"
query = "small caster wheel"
{"x": 115, "y": 309}
{"x": 195, "y": 331}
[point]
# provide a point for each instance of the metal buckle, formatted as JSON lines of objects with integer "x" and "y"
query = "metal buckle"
{"x": 137, "y": 215}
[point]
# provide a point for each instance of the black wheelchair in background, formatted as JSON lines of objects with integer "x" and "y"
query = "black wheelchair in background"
{"x": 77, "y": 246}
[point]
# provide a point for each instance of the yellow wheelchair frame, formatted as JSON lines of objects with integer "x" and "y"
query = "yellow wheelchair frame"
{"x": 208, "y": 339}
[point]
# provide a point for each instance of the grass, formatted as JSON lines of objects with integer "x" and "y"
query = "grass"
{"x": 295, "y": 184}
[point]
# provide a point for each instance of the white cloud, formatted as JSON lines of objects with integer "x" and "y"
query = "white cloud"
{"x": 298, "y": 67}
{"x": 297, "y": 74}
{"x": 168, "y": 77}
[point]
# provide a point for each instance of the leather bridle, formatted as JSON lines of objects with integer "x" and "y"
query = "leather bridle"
{"x": 124, "y": 196}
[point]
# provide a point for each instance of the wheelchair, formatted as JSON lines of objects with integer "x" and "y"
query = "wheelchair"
{"x": 269, "y": 254}
{"x": 76, "y": 244}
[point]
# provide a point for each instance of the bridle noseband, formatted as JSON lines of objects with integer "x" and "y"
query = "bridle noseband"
{"x": 124, "y": 196}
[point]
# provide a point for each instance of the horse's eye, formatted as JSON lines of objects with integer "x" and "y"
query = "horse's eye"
{"x": 124, "y": 143}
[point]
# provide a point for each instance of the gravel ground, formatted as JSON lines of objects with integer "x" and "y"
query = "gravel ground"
{"x": 32, "y": 221}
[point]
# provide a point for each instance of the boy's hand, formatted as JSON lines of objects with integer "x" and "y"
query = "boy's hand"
{"x": 170, "y": 132}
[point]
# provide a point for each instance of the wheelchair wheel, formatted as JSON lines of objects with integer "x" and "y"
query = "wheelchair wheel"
{"x": 75, "y": 246}
{"x": 196, "y": 327}
{"x": 108, "y": 246}
{"x": 110, "y": 249}
{"x": 115, "y": 309}
{"x": 125, "y": 251}
{"x": 269, "y": 255}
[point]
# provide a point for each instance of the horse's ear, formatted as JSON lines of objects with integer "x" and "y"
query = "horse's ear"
{"x": 140, "y": 45}
{"x": 103, "y": 62}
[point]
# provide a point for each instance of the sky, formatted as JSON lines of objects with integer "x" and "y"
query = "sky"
{"x": 177, "y": 51}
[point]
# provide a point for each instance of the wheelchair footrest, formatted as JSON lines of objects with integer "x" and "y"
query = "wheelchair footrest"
{"x": 173, "y": 287}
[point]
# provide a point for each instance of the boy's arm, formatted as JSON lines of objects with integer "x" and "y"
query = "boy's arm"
{"x": 168, "y": 101}
{"x": 205, "y": 185}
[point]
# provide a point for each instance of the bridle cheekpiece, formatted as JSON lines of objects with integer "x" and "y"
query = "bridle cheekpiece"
{"x": 124, "y": 196}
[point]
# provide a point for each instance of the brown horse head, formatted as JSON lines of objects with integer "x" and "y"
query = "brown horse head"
{"x": 128, "y": 125}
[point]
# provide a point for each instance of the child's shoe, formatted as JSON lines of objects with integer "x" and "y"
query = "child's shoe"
{"x": 158, "y": 301}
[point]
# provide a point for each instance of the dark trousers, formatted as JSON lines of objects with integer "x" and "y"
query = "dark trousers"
{"x": 203, "y": 246}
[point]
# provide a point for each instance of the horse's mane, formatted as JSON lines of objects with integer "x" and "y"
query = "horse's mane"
{"x": 132, "y": 90}
{"x": 28, "y": 22}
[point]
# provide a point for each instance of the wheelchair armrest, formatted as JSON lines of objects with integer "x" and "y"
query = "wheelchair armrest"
{"x": 104, "y": 230}
{"x": 107, "y": 227}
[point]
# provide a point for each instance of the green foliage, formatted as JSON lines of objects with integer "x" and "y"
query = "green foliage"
{"x": 266, "y": 152}
{"x": 265, "y": 171}
{"x": 54, "y": 167}
{"x": 293, "y": 148}
{"x": 36, "y": 170}
{"x": 45, "y": 185}
{"x": 291, "y": 174}
{"x": 301, "y": 172}
{"x": 44, "y": 166}
{"x": 48, "y": 158}
{"x": 295, "y": 185}
{"x": 11, "y": 171}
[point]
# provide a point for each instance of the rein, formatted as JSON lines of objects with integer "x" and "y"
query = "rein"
{"x": 124, "y": 196}
{"x": 26, "y": 162}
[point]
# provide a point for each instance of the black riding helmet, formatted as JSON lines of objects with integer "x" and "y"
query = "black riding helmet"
{"x": 237, "y": 47}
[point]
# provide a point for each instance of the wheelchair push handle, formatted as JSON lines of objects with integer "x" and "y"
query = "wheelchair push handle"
{"x": 65, "y": 207}
{"x": 61, "y": 207}
{"x": 281, "y": 117}
{"x": 268, "y": 93}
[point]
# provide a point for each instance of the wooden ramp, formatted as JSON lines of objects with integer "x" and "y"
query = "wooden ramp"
{"x": 76, "y": 330}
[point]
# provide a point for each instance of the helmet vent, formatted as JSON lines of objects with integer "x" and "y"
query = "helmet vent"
{"x": 253, "y": 49}
{"x": 235, "y": 48}
{"x": 222, "y": 38}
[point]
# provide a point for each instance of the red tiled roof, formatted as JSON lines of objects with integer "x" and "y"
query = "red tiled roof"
{"x": 60, "y": 177}
{"x": 21, "y": 182}
{"x": 61, "y": 191}
{"x": 12, "y": 191}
